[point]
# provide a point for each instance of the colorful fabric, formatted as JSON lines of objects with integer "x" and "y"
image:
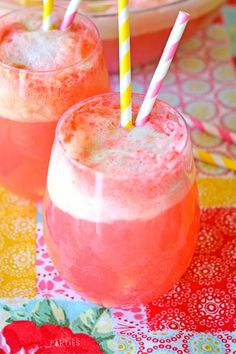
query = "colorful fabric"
{"x": 199, "y": 314}
{"x": 17, "y": 246}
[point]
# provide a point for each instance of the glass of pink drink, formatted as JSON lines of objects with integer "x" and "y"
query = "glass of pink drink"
{"x": 121, "y": 211}
{"x": 41, "y": 75}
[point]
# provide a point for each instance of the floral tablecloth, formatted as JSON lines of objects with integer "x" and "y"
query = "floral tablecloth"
{"x": 42, "y": 314}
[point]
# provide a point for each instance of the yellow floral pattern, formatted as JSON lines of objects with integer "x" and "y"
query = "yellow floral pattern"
{"x": 220, "y": 53}
{"x": 191, "y": 64}
{"x": 215, "y": 192}
{"x": 18, "y": 261}
{"x": 21, "y": 288}
{"x": 17, "y": 246}
{"x": 217, "y": 32}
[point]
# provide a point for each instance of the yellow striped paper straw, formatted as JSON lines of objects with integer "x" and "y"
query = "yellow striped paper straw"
{"x": 125, "y": 64}
{"x": 47, "y": 14}
{"x": 214, "y": 159}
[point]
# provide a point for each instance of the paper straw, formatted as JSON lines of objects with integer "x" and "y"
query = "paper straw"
{"x": 47, "y": 14}
{"x": 125, "y": 64}
{"x": 163, "y": 67}
{"x": 214, "y": 159}
{"x": 70, "y": 14}
{"x": 212, "y": 129}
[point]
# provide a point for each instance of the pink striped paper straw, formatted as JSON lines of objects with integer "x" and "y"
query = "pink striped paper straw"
{"x": 70, "y": 14}
{"x": 212, "y": 129}
{"x": 163, "y": 67}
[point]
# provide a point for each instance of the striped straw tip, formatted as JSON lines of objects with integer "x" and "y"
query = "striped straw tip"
{"x": 185, "y": 15}
{"x": 163, "y": 66}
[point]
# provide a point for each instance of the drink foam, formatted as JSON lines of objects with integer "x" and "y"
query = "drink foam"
{"x": 24, "y": 44}
{"x": 94, "y": 138}
{"x": 138, "y": 172}
{"x": 42, "y": 74}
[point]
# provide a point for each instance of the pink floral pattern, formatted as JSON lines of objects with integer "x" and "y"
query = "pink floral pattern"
{"x": 49, "y": 282}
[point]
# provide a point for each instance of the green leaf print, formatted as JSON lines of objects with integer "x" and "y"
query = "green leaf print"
{"x": 98, "y": 324}
{"x": 15, "y": 315}
{"x": 108, "y": 346}
{"x": 18, "y": 316}
{"x": 48, "y": 311}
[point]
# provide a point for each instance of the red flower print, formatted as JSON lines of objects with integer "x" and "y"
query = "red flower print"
{"x": 231, "y": 284}
{"x": 207, "y": 270}
{"x": 48, "y": 338}
{"x": 22, "y": 334}
{"x": 210, "y": 239}
{"x": 170, "y": 319}
{"x": 229, "y": 253}
{"x": 178, "y": 295}
{"x": 211, "y": 308}
{"x": 226, "y": 222}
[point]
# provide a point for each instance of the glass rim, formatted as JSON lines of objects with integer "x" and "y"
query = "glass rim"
{"x": 136, "y": 11}
{"x": 81, "y": 166}
{"x": 58, "y": 70}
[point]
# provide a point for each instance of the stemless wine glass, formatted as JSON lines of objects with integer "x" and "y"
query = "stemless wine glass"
{"x": 127, "y": 235}
{"x": 33, "y": 100}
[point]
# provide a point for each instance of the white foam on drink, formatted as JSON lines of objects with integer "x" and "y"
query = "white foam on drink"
{"x": 42, "y": 51}
{"x": 29, "y": 91}
{"x": 97, "y": 141}
{"x": 146, "y": 164}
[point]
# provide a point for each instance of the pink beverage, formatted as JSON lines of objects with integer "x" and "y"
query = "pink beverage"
{"x": 121, "y": 211}
{"x": 151, "y": 22}
{"x": 41, "y": 75}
